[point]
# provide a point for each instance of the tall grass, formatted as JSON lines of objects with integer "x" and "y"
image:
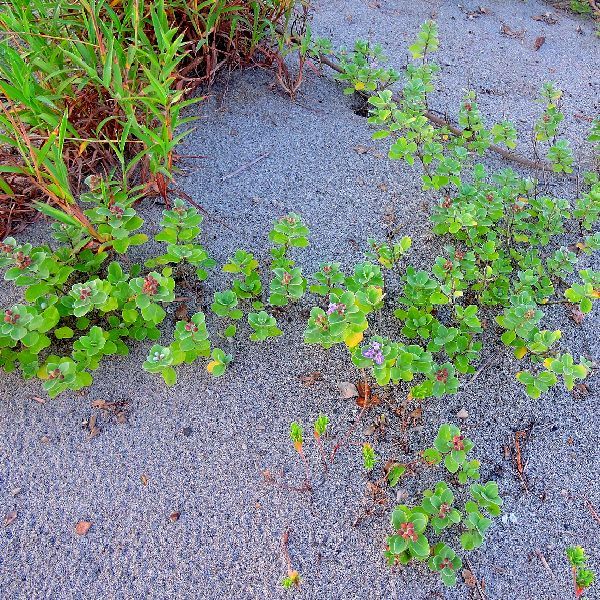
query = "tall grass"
{"x": 100, "y": 85}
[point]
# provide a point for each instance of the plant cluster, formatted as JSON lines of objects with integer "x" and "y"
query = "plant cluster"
{"x": 438, "y": 513}
{"x": 502, "y": 253}
{"x": 76, "y": 295}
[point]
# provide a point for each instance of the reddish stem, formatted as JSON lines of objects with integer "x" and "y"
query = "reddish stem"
{"x": 350, "y": 431}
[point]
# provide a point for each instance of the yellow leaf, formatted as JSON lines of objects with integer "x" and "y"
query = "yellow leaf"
{"x": 354, "y": 339}
{"x": 384, "y": 262}
{"x": 359, "y": 85}
{"x": 43, "y": 372}
{"x": 409, "y": 396}
{"x": 520, "y": 352}
{"x": 210, "y": 367}
{"x": 83, "y": 146}
{"x": 458, "y": 293}
{"x": 547, "y": 363}
{"x": 596, "y": 294}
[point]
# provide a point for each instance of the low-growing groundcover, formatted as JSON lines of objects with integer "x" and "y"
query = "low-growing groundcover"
{"x": 492, "y": 264}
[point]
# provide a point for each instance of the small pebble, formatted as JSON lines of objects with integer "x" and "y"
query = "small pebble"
{"x": 462, "y": 414}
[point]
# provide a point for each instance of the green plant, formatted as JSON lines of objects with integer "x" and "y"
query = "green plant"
{"x": 499, "y": 225}
{"x": 264, "y": 326}
{"x": 451, "y": 447}
{"x": 180, "y": 228}
{"x": 369, "y": 457}
{"x": 583, "y": 578}
{"x": 248, "y": 284}
{"x": 287, "y": 286}
{"x": 328, "y": 279}
{"x": 360, "y": 70}
{"x": 437, "y": 511}
{"x": 291, "y": 580}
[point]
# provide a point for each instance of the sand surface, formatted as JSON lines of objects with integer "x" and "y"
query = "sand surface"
{"x": 200, "y": 447}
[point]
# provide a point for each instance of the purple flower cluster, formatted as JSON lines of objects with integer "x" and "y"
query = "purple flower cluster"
{"x": 374, "y": 352}
{"x": 339, "y": 308}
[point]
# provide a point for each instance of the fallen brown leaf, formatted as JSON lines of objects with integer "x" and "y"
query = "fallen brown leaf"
{"x": 539, "y": 42}
{"x": 576, "y": 315}
{"x": 416, "y": 414}
{"x": 174, "y": 516}
{"x": 82, "y": 527}
{"x": 144, "y": 479}
{"x": 512, "y": 33}
{"x": 94, "y": 431}
{"x": 365, "y": 402}
{"x": 311, "y": 378}
{"x": 360, "y": 149}
{"x": 581, "y": 390}
{"x": 364, "y": 389}
{"x": 547, "y": 18}
{"x": 478, "y": 12}
{"x": 469, "y": 578}
{"x": 10, "y": 518}
{"x": 181, "y": 313}
{"x": 39, "y": 400}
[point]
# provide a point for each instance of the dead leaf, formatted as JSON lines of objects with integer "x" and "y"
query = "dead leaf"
{"x": 583, "y": 117}
{"x": 576, "y": 315}
{"x": 311, "y": 378}
{"x": 478, "y": 12}
{"x": 547, "y": 18}
{"x": 82, "y": 527}
{"x": 365, "y": 402}
{"x": 181, "y": 313}
{"x": 581, "y": 390}
{"x": 94, "y": 431}
{"x": 512, "y": 33}
{"x": 174, "y": 516}
{"x": 39, "y": 400}
{"x": 10, "y": 518}
{"x": 539, "y": 42}
{"x": 361, "y": 149}
{"x": 365, "y": 396}
{"x": 469, "y": 578}
{"x": 144, "y": 479}
{"x": 347, "y": 390}
{"x": 416, "y": 415}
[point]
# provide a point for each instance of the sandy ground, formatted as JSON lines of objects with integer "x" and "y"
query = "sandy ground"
{"x": 201, "y": 446}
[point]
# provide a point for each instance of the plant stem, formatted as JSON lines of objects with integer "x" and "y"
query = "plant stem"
{"x": 341, "y": 442}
